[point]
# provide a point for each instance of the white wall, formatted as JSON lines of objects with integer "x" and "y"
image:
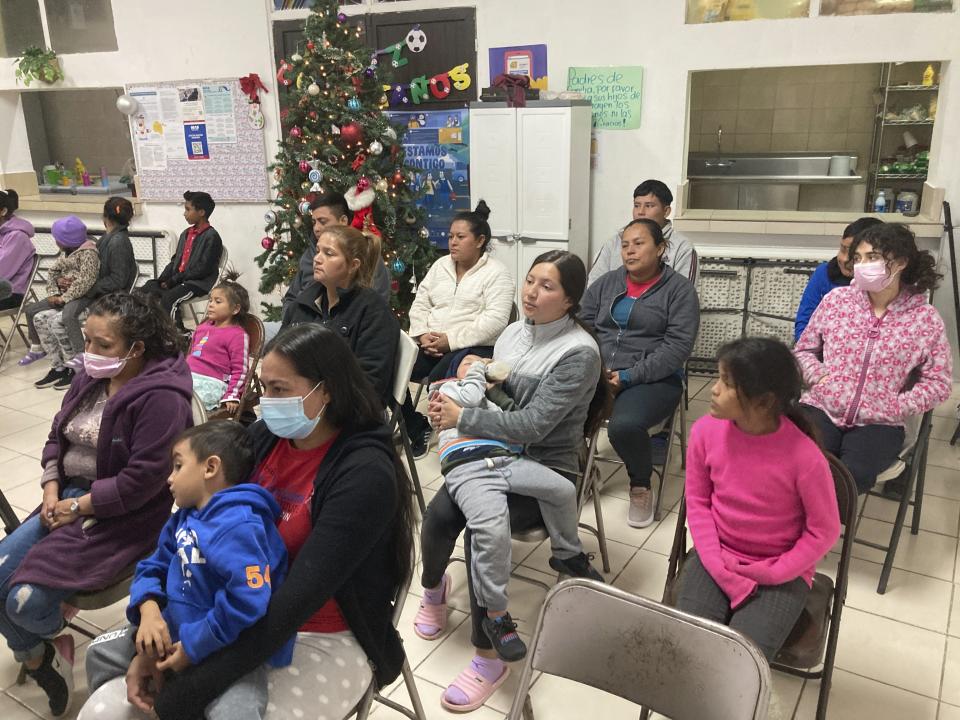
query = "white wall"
{"x": 178, "y": 39}
{"x": 175, "y": 40}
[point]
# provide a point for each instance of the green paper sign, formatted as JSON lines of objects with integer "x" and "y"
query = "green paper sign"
{"x": 615, "y": 92}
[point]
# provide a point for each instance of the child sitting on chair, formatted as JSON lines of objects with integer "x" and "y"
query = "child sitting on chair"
{"x": 479, "y": 472}
{"x": 220, "y": 350}
{"x": 761, "y": 502}
{"x": 217, "y": 561}
{"x": 70, "y": 277}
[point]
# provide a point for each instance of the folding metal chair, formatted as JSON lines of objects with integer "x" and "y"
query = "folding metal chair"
{"x": 813, "y": 641}
{"x": 912, "y": 465}
{"x": 675, "y": 425}
{"x": 189, "y": 304}
{"x": 16, "y": 313}
{"x": 199, "y": 411}
{"x": 417, "y": 713}
{"x": 406, "y": 357}
{"x": 645, "y": 652}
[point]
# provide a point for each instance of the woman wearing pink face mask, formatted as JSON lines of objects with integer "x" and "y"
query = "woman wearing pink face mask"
{"x": 875, "y": 353}
{"x": 104, "y": 472}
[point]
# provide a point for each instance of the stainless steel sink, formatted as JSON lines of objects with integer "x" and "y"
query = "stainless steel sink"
{"x": 768, "y": 168}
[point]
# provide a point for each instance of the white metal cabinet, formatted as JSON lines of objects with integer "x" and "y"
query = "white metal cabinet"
{"x": 493, "y": 166}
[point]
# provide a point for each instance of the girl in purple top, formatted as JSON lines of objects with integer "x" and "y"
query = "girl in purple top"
{"x": 105, "y": 496}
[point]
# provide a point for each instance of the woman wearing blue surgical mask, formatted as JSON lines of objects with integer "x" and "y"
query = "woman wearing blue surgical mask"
{"x": 875, "y": 353}
{"x": 324, "y": 453}
{"x": 104, "y": 472}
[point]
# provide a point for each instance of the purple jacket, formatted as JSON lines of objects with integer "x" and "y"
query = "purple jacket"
{"x": 16, "y": 253}
{"x": 131, "y": 500}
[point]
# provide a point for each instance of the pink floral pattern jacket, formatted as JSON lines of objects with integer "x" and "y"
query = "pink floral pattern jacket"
{"x": 865, "y": 370}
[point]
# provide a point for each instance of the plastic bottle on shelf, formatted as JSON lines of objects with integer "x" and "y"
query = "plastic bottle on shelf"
{"x": 928, "y": 75}
{"x": 880, "y": 204}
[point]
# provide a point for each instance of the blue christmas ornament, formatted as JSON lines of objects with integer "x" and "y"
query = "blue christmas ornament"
{"x": 315, "y": 176}
{"x": 304, "y": 208}
{"x": 353, "y": 103}
{"x": 399, "y": 266}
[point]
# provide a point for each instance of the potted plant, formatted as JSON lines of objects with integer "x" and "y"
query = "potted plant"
{"x": 37, "y": 64}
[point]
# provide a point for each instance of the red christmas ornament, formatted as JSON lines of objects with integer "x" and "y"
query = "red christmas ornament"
{"x": 304, "y": 166}
{"x": 363, "y": 183}
{"x": 267, "y": 243}
{"x": 310, "y": 45}
{"x": 398, "y": 178}
{"x": 295, "y": 132}
{"x": 313, "y": 115}
{"x": 357, "y": 82}
{"x": 359, "y": 160}
{"x": 351, "y": 133}
{"x": 394, "y": 286}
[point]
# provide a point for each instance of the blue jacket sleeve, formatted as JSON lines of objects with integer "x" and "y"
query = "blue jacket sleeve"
{"x": 150, "y": 578}
{"x": 818, "y": 286}
{"x": 241, "y": 559}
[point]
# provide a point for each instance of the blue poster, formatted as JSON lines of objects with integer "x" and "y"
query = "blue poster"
{"x": 437, "y": 145}
{"x": 195, "y": 135}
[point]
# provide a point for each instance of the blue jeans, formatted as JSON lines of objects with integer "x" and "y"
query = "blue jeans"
{"x": 29, "y": 613}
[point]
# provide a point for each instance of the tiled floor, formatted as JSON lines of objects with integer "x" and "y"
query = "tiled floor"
{"x": 899, "y": 653}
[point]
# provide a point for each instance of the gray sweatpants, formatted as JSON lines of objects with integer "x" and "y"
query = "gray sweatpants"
{"x": 480, "y": 490}
{"x": 109, "y": 657}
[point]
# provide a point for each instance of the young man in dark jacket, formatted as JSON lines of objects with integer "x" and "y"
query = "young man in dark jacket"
{"x": 195, "y": 266}
{"x": 837, "y": 272}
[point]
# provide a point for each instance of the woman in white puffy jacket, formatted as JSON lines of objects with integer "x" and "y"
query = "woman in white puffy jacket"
{"x": 461, "y": 306}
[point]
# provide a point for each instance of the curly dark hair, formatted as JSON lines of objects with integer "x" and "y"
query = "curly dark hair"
{"x": 895, "y": 242}
{"x": 139, "y": 316}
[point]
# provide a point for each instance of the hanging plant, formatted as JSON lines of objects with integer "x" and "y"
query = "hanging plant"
{"x": 37, "y": 64}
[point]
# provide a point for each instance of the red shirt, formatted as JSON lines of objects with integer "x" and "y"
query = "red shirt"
{"x": 635, "y": 290}
{"x": 288, "y": 474}
{"x": 192, "y": 233}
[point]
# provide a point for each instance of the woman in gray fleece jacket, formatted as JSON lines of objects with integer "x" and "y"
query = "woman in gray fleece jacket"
{"x": 557, "y": 383}
{"x": 646, "y": 317}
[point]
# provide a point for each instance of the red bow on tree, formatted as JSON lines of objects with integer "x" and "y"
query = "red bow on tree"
{"x": 251, "y": 85}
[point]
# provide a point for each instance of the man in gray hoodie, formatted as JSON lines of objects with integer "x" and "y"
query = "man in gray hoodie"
{"x": 651, "y": 199}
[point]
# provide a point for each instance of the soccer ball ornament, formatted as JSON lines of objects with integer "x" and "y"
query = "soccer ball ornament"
{"x": 416, "y": 40}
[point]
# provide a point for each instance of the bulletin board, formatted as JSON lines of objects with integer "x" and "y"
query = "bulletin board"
{"x": 198, "y": 135}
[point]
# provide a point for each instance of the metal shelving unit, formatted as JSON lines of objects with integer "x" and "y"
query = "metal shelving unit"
{"x": 893, "y": 96}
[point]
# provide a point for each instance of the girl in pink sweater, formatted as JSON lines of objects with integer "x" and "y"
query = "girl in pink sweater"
{"x": 760, "y": 498}
{"x": 875, "y": 353}
{"x": 220, "y": 350}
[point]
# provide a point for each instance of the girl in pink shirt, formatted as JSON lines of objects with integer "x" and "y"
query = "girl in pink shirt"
{"x": 761, "y": 504}
{"x": 220, "y": 350}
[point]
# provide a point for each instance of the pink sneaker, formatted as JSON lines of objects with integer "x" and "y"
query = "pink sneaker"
{"x": 31, "y": 357}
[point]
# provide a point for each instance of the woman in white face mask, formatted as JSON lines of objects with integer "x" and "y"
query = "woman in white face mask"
{"x": 104, "y": 471}
{"x": 325, "y": 454}
{"x": 875, "y": 353}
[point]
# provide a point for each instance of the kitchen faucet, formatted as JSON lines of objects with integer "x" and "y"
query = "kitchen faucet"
{"x": 719, "y": 137}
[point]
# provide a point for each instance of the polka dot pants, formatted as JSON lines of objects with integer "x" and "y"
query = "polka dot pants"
{"x": 329, "y": 675}
{"x": 327, "y": 678}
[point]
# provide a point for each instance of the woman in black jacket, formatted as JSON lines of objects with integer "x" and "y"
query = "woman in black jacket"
{"x": 347, "y": 522}
{"x": 343, "y": 301}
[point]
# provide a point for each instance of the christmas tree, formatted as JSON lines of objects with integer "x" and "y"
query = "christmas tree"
{"x": 337, "y": 139}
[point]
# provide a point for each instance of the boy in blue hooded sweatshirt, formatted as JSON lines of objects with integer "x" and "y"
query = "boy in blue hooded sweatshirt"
{"x": 211, "y": 576}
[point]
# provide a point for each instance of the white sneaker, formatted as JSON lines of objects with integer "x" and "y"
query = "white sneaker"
{"x": 642, "y": 502}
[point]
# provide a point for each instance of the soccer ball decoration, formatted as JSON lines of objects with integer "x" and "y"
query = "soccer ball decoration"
{"x": 416, "y": 40}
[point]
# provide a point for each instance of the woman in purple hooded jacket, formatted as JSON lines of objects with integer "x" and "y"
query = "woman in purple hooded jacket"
{"x": 105, "y": 496}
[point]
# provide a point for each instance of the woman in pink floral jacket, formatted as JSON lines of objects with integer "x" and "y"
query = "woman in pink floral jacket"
{"x": 875, "y": 353}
